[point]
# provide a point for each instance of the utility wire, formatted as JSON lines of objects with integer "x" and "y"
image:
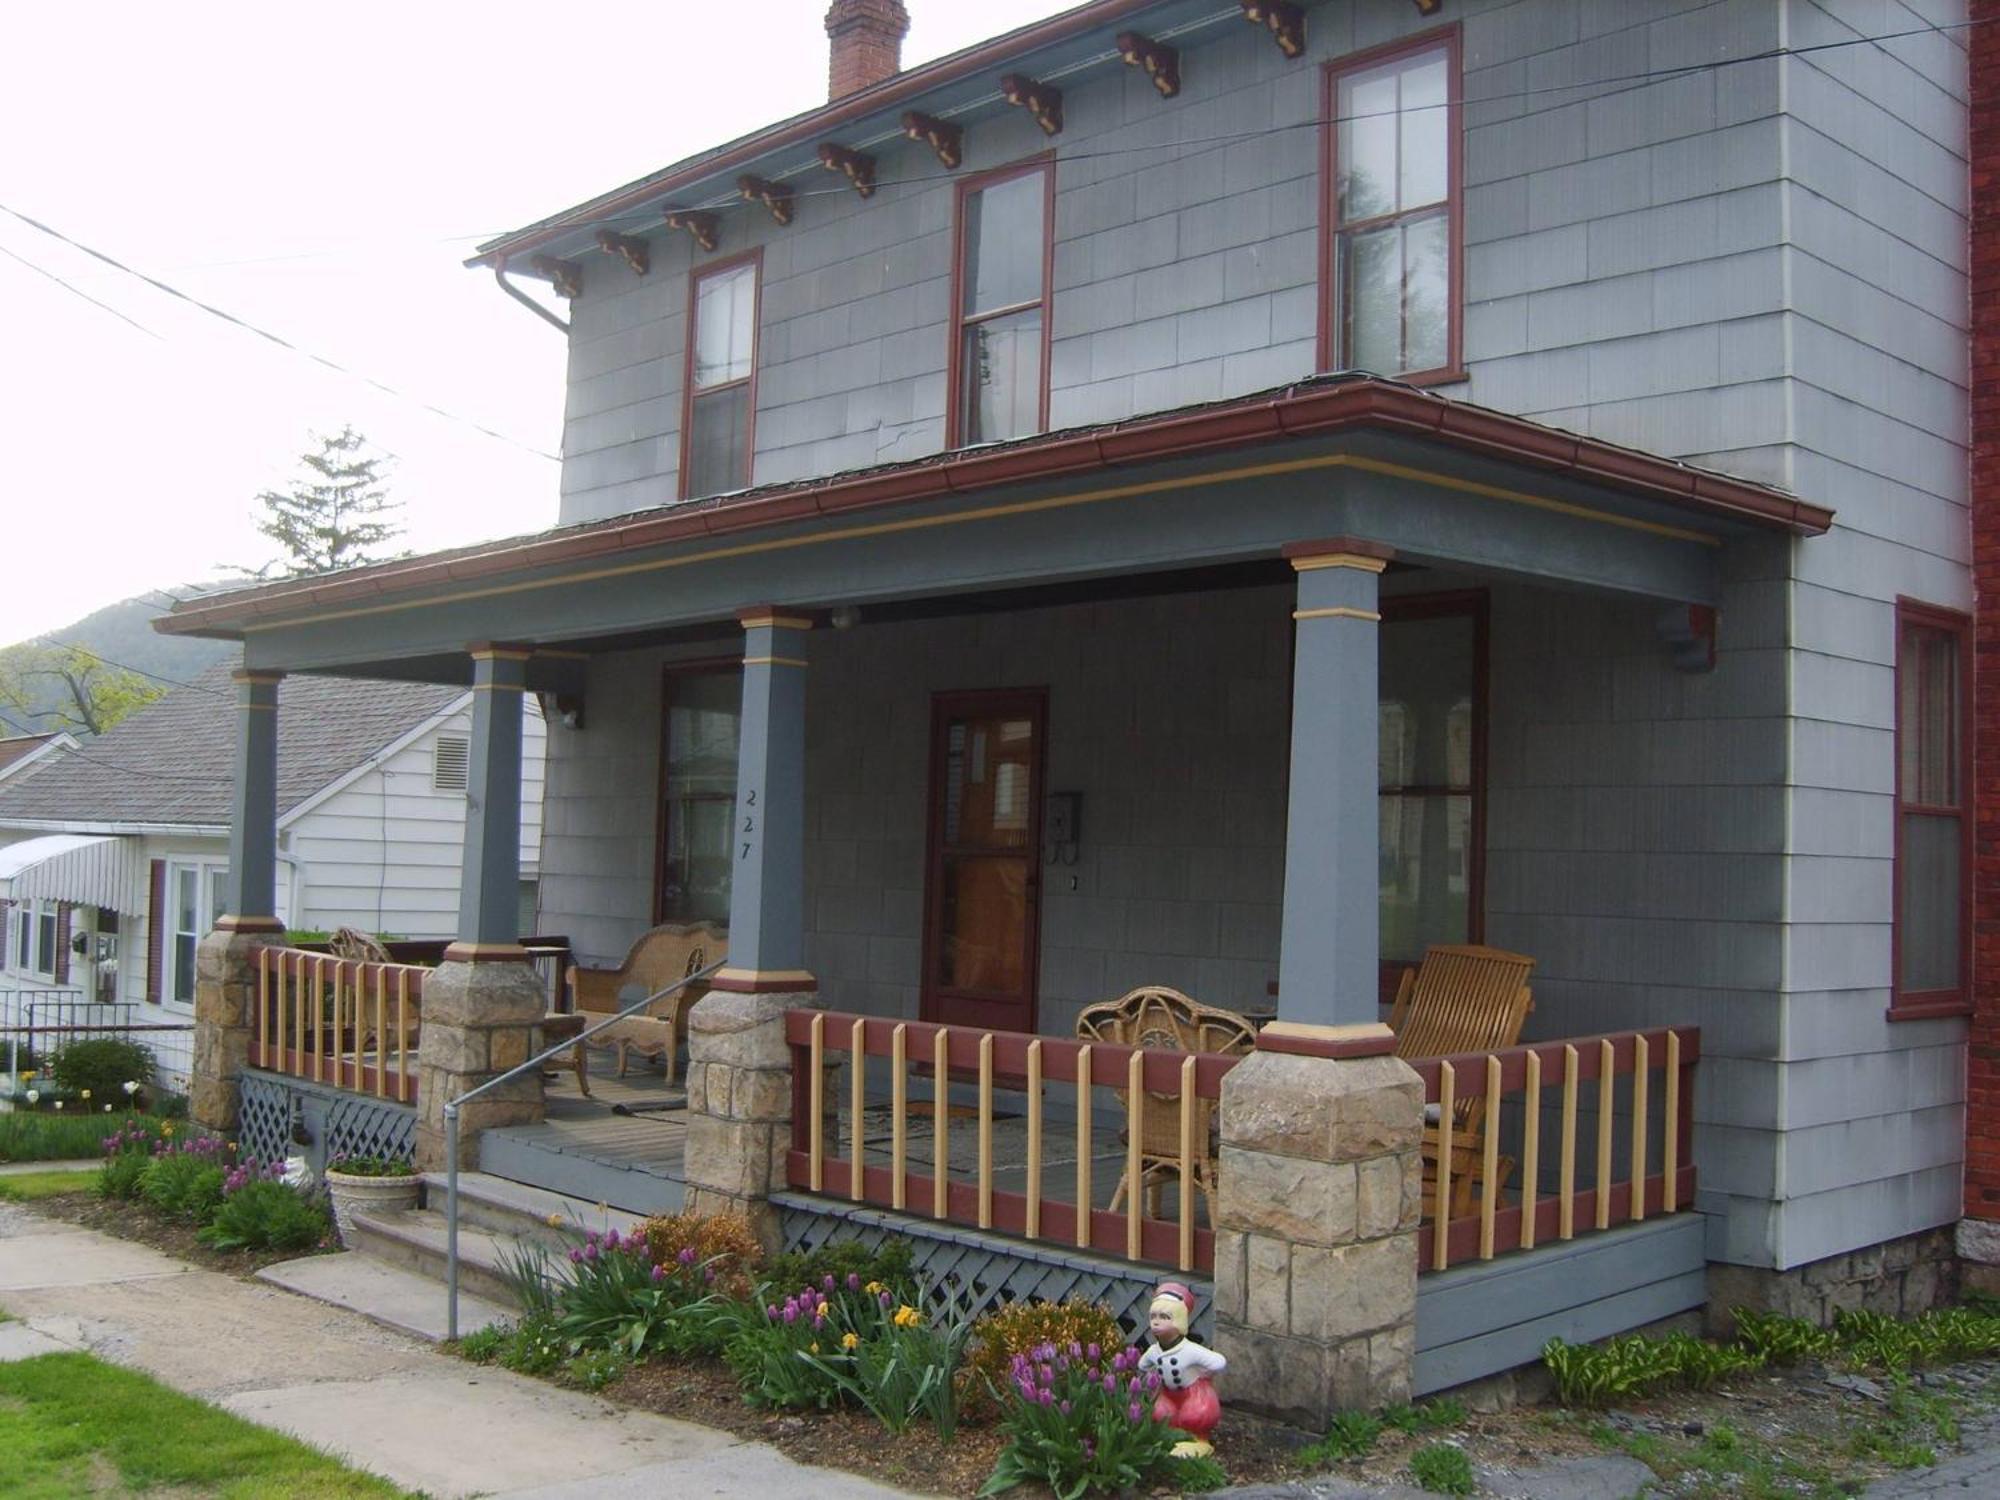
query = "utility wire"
{"x": 264, "y": 333}
{"x": 109, "y": 765}
{"x": 77, "y": 291}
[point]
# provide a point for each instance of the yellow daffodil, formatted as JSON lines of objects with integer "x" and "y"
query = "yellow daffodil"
{"x": 908, "y": 1317}
{"x": 875, "y": 1289}
{"x": 166, "y": 1130}
{"x": 86, "y": 1093}
{"x": 813, "y": 1348}
{"x": 555, "y": 1221}
{"x": 849, "y": 1340}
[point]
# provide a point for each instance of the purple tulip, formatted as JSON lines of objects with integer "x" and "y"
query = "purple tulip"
{"x": 1075, "y": 1349}
{"x": 1152, "y": 1380}
{"x": 885, "y": 1299}
{"x": 1132, "y": 1386}
{"x": 1110, "y": 1385}
{"x": 1064, "y": 1408}
{"x": 826, "y": 1282}
{"x": 659, "y": 1273}
{"x": 1094, "y": 1353}
{"x": 1048, "y": 1374}
{"x": 771, "y": 1311}
{"x": 686, "y": 1257}
{"x": 853, "y": 1281}
{"x": 1133, "y": 1412}
{"x": 1045, "y": 1396}
{"x": 791, "y": 1312}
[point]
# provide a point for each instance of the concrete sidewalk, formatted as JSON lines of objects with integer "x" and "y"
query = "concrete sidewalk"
{"x": 375, "y": 1398}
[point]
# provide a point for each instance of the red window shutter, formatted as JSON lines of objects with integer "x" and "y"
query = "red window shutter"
{"x": 156, "y": 932}
{"x": 62, "y": 942}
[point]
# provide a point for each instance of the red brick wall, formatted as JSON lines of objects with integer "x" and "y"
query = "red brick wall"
{"x": 1982, "y": 1166}
{"x": 867, "y": 43}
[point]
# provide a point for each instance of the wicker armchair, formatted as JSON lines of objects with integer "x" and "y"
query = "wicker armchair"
{"x": 1166, "y": 1019}
{"x": 670, "y": 951}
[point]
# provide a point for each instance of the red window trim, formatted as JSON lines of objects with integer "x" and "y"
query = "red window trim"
{"x": 702, "y": 666}
{"x": 1925, "y": 1005}
{"x": 755, "y": 259}
{"x": 1448, "y": 38}
{"x": 954, "y": 409}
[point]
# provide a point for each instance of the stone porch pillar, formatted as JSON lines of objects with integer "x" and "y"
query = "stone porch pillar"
{"x": 1321, "y": 1174}
{"x": 225, "y": 988}
{"x": 482, "y": 1005}
{"x": 739, "y": 1068}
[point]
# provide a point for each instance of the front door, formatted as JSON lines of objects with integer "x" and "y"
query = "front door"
{"x": 982, "y": 892}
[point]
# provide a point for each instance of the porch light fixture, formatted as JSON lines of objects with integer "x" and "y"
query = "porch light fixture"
{"x": 844, "y": 617}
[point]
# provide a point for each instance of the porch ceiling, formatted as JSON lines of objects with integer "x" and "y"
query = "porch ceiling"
{"x": 1444, "y": 484}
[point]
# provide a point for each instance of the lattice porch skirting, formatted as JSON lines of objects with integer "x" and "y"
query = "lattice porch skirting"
{"x": 338, "y": 1123}
{"x": 991, "y": 1269}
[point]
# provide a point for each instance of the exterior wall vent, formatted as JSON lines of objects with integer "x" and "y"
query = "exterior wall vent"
{"x": 451, "y": 758}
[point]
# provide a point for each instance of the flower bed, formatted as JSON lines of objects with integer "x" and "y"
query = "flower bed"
{"x": 194, "y": 1180}
{"x": 845, "y": 1337}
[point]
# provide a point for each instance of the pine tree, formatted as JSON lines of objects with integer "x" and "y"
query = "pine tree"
{"x": 337, "y": 515}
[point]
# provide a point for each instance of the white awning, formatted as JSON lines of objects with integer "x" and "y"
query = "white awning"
{"x": 89, "y": 869}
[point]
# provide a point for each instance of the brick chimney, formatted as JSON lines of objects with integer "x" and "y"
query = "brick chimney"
{"x": 867, "y": 38}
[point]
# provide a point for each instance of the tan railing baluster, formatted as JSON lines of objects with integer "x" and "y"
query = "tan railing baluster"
{"x": 382, "y": 1030}
{"x": 1566, "y": 1228}
{"x": 1531, "y": 1148}
{"x": 1639, "y": 1061}
{"x": 1034, "y": 1224}
{"x": 1187, "y": 1164}
{"x": 1490, "y": 1161}
{"x": 402, "y": 1032}
{"x": 1083, "y": 1147}
{"x": 319, "y": 1019}
{"x": 986, "y": 1131}
{"x": 1135, "y": 1149}
{"x": 1670, "y": 1143}
{"x": 899, "y": 1114}
{"x": 1607, "y": 1059}
{"x": 263, "y": 1004}
{"x": 857, "y": 1101}
{"x": 285, "y": 993}
{"x": 940, "y": 1125}
{"x": 1441, "y": 1206}
{"x": 816, "y": 1107}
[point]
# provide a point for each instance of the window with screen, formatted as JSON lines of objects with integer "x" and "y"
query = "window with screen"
{"x": 1000, "y": 322}
{"x": 1932, "y": 830}
{"x": 721, "y": 380}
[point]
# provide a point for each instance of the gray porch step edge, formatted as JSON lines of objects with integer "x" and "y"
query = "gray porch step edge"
{"x": 390, "y": 1295}
{"x": 521, "y": 1157}
{"x": 502, "y": 1206}
{"x": 415, "y": 1241}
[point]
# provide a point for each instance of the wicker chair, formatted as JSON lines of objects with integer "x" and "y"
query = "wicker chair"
{"x": 670, "y": 951}
{"x": 1166, "y": 1019}
{"x": 1462, "y": 998}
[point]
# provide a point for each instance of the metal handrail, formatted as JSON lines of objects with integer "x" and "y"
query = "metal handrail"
{"x": 535, "y": 1062}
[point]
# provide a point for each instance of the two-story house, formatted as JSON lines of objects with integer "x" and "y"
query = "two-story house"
{"x": 1228, "y": 496}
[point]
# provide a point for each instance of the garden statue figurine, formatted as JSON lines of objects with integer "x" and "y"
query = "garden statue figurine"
{"x": 1187, "y": 1400}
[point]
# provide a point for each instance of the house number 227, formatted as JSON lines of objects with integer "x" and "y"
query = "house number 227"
{"x": 749, "y": 819}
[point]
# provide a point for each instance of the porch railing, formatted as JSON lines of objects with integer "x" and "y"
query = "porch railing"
{"x": 1184, "y": 1086}
{"x": 346, "y": 1022}
{"x": 1555, "y": 1139}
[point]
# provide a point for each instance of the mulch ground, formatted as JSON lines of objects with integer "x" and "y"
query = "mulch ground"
{"x": 135, "y": 1221}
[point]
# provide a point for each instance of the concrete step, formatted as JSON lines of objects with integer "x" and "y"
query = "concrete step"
{"x": 414, "y": 1239}
{"x": 535, "y": 1155}
{"x": 392, "y": 1295}
{"x": 509, "y": 1208}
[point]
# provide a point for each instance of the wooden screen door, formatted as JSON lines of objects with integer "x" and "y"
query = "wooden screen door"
{"x": 982, "y": 886}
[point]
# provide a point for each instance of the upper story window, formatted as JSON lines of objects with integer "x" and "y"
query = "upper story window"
{"x": 721, "y": 382}
{"x": 1000, "y": 323}
{"x": 1392, "y": 253}
{"x": 1933, "y": 833}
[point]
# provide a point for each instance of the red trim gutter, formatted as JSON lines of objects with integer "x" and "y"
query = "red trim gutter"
{"x": 1312, "y": 409}
{"x": 886, "y": 95}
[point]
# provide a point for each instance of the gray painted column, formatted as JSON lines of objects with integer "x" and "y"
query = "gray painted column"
{"x": 767, "y": 885}
{"x": 1331, "y": 940}
{"x": 489, "y": 891}
{"x": 250, "y": 890}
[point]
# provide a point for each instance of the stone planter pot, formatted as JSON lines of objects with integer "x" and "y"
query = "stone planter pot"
{"x": 350, "y": 1194}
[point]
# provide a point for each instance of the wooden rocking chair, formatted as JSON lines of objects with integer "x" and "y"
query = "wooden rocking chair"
{"x": 1166, "y": 1019}
{"x": 1462, "y": 998}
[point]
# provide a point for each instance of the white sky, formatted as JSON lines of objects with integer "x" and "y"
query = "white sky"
{"x": 322, "y": 171}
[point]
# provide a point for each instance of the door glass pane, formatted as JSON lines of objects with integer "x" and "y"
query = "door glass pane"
{"x": 984, "y": 935}
{"x": 1002, "y": 361}
{"x": 1366, "y": 144}
{"x": 1426, "y": 766}
{"x": 1928, "y": 874}
{"x": 1423, "y": 163}
{"x": 988, "y": 783}
{"x": 1426, "y": 293}
{"x": 719, "y": 442}
{"x": 725, "y": 326}
{"x": 704, "y": 712}
{"x": 1426, "y": 878}
{"x": 1372, "y": 268}
{"x": 1004, "y": 243}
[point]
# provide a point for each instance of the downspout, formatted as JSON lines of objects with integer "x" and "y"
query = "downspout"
{"x": 500, "y": 275}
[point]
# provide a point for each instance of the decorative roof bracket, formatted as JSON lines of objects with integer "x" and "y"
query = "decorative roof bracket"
{"x": 706, "y": 228}
{"x": 943, "y": 137}
{"x": 1161, "y": 62}
{"x": 858, "y": 167}
{"x": 1286, "y": 21}
{"x": 1041, "y": 100}
{"x": 775, "y": 196}
{"x": 566, "y": 276}
{"x": 628, "y": 248}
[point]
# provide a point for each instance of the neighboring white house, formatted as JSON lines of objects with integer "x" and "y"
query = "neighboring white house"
{"x": 23, "y": 754}
{"x": 112, "y": 855}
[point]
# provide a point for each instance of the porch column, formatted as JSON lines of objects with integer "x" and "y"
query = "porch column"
{"x": 483, "y": 1004}
{"x": 739, "y": 1067}
{"x": 1330, "y": 941}
{"x": 225, "y": 986}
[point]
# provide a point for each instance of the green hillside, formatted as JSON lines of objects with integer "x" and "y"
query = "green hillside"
{"x": 123, "y": 633}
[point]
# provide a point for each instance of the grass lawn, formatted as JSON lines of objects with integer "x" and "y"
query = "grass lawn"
{"x": 26, "y": 1136}
{"x": 26, "y": 1187}
{"x": 72, "y": 1425}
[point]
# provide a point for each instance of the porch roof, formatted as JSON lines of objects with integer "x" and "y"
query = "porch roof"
{"x": 1331, "y": 407}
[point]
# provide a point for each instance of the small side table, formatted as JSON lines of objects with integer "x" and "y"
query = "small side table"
{"x": 558, "y": 1027}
